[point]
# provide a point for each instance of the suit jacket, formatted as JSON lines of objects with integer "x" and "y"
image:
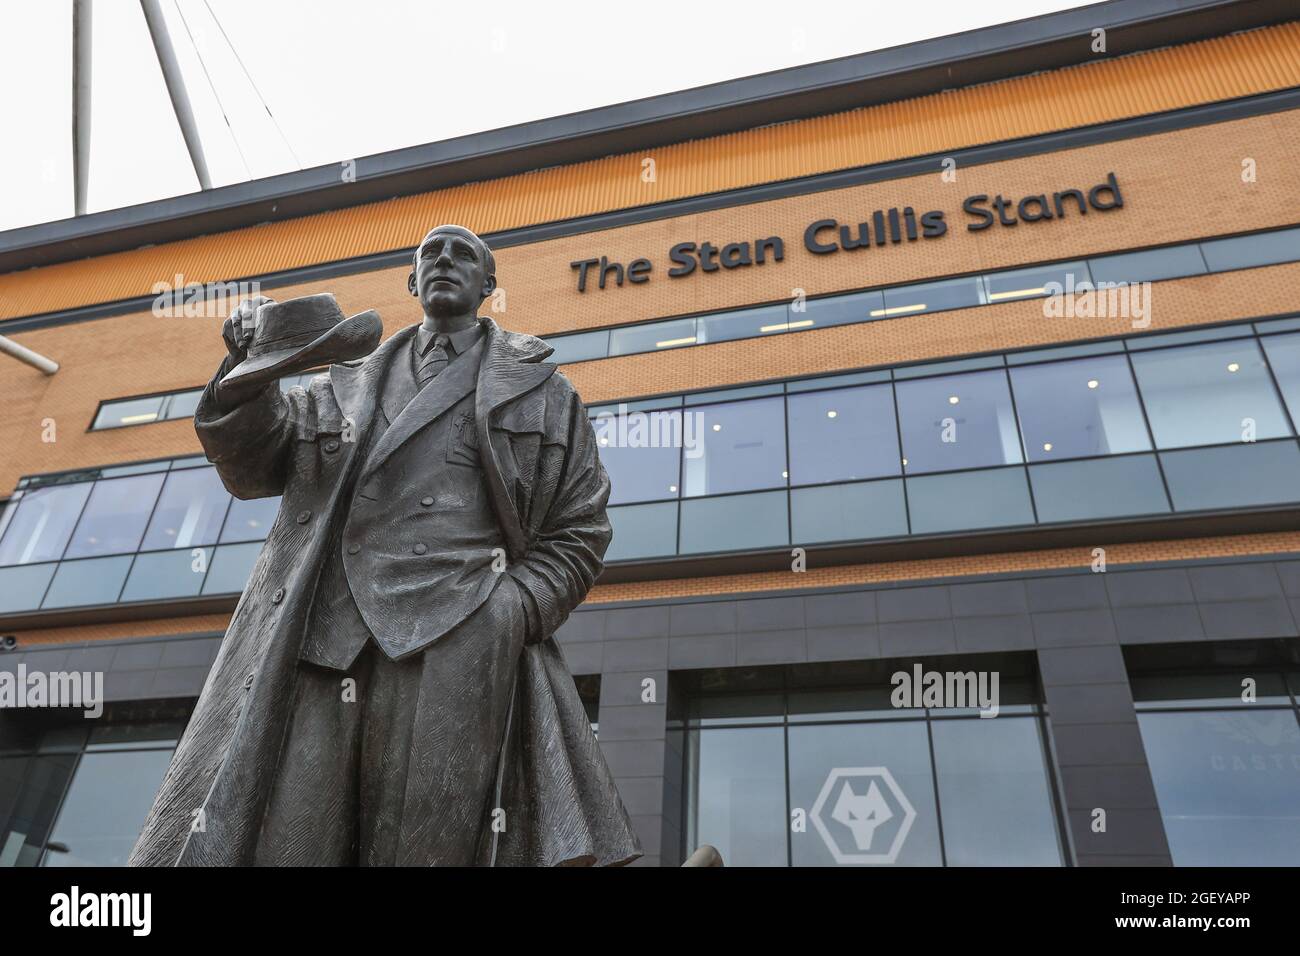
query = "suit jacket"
{"x": 548, "y": 491}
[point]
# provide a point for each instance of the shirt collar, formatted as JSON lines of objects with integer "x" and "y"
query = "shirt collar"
{"x": 461, "y": 341}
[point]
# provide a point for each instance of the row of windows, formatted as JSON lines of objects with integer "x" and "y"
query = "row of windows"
{"x": 1153, "y": 425}
{"x": 763, "y": 758}
{"x": 1220, "y": 255}
{"x": 1148, "y": 426}
{"x": 123, "y": 412}
{"x": 1172, "y": 262}
{"x": 764, "y": 777}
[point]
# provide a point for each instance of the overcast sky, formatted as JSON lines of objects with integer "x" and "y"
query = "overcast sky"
{"x": 346, "y": 79}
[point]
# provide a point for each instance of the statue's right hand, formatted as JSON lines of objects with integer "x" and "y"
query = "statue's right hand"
{"x": 239, "y": 328}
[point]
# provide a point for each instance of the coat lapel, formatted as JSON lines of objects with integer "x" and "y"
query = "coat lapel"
{"x": 453, "y": 384}
{"x": 512, "y": 366}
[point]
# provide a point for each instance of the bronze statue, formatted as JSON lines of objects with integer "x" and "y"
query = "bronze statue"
{"x": 389, "y": 691}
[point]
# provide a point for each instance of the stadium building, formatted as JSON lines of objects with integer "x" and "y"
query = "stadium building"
{"x": 970, "y": 365}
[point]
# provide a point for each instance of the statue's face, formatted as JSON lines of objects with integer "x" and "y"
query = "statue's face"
{"x": 451, "y": 276}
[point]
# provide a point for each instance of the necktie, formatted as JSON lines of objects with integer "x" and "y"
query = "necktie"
{"x": 435, "y": 360}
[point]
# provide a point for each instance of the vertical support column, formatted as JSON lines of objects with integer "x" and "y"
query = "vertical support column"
{"x": 81, "y": 105}
{"x": 1098, "y": 748}
{"x": 633, "y": 713}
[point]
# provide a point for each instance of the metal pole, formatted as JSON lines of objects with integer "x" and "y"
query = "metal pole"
{"x": 81, "y": 70}
{"x": 171, "y": 70}
{"x": 24, "y": 354}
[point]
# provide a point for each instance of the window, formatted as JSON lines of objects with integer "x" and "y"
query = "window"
{"x": 1261, "y": 249}
{"x": 1283, "y": 353}
{"x": 1150, "y": 265}
{"x": 843, "y": 435}
{"x": 1226, "y": 771}
{"x": 957, "y": 421}
{"x": 1036, "y": 282}
{"x": 643, "y": 531}
{"x": 1216, "y": 393}
{"x": 1100, "y": 488}
{"x": 858, "y": 511}
{"x": 652, "y": 337}
{"x": 115, "y": 516}
{"x": 742, "y": 447}
{"x": 734, "y": 523}
{"x": 745, "y": 323}
{"x": 42, "y": 522}
{"x": 933, "y": 297}
{"x": 190, "y": 510}
{"x": 250, "y": 520}
{"x": 1079, "y": 409}
{"x": 135, "y": 411}
{"x": 580, "y": 347}
{"x": 642, "y": 453}
{"x": 761, "y": 742}
{"x": 77, "y": 796}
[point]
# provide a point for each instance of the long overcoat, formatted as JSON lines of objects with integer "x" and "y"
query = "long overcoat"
{"x": 549, "y": 492}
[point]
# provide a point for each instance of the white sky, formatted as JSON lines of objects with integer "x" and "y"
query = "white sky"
{"x": 347, "y": 79}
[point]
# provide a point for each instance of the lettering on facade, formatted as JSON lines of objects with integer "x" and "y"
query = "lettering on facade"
{"x": 823, "y": 237}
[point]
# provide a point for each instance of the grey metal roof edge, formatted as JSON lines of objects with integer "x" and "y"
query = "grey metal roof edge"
{"x": 977, "y": 56}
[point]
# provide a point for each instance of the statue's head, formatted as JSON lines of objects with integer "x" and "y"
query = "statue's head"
{"x": 453, "y": 272}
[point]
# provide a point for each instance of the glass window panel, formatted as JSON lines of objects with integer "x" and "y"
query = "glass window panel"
{"x": 643, "y": 531}
{"x": 733, "y": 394}
{"x": 250, "y": 520}
{"x": 140, "y": 468}
{"x": 1148, "y": 266}
{"x": 736, "y": 709}
{"x": 838, "y": 381}
{"x": 30, "y": 791}
{"x": 734, "y": 523}
{"x": 1079, "y": 409}
{"x": 133, "y": 736}
{"x": 580, "y": 347}
{"x": 1204, "y": 394}
{"x": 872, "y": 509}
{"x": 642, "y": 453}
{"x": 652, "y": 337}
{"x": 42, "y": 522}
{"x": 969, "y": 500}
{"x": 932, "y": 297}
{"x": 1105, "y": 488}
{"x": 1065, "y": 351}
{"x": 1233, "y": 476}
{"x": 1227, "y": 784}
{"x": 1140, "y": 343}
{"x": 1272, "y": 325}
{"x": 136, "y": 411}
{"x": 864, "y": 703}
{"x": 190, "y": 510}
{"x": 1223, "y": 689}
{"x": 902, "y": 748}
{"x": 842, "y": 435}
{"x": 740, "y": 446}
{"x": 115, "y": 516}
{"x": 1035, "y": 282}
{"x": 23, "y": 586}
{"x": 957, "y": 421}
{"x": 994, "y": 791}
{"x": 947, "y": 367}
{"x": 840, "y": 310}
{"x": 737, "y": 794}
{"x": 166, "y": 574}
{"x": 104, "y": 812}
{"x": 1261, "y": 249}
{"x": 748, "y": 323}
{"x": 230, "y": 567}
{"x": 190, "y": 461}
{"x": 184, "y": 404}
{"x": 1284, "y": 356}
{"x": 91, "y": 581}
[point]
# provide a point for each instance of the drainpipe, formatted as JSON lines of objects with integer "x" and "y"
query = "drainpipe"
{"x": 24, "y": 354}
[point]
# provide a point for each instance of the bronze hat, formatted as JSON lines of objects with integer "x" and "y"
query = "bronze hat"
{"x": 303, "y": 333}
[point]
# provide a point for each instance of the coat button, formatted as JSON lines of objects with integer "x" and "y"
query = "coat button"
{"x": 426, "y": 501}
{"x": 248, "y": 682}
{"x": 420, "y": 549}
{"x": 304, "y": 517}
{"x": 278, "y": 596}
{"x": 332, "y": 445}
{"x": 354, "y": 548}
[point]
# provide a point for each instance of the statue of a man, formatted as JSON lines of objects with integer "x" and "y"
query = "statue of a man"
{"x": 389, "y": 690}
